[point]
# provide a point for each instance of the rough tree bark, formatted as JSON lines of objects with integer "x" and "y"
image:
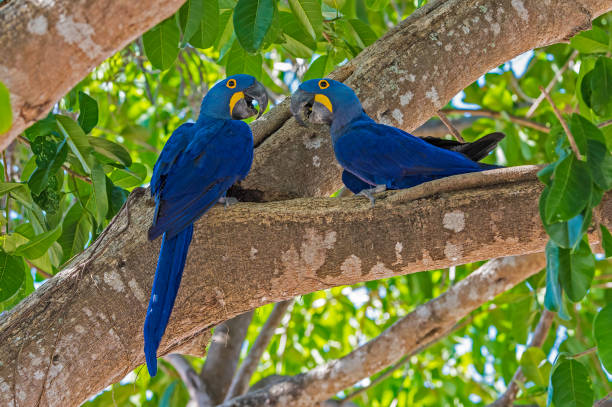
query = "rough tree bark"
{"x": 269, "y": 252}
{"x": 48, "y": 46}
{"x": 424, "y": 325}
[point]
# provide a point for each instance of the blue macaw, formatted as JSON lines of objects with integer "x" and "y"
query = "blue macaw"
{"x": 376, "y": 157}
{"x": 195, "y": 169}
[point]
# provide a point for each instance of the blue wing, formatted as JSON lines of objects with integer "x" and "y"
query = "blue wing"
{"x": 197, "y": 166}
{"x": 197, "y": 170}
{"x": 379, "y": 154}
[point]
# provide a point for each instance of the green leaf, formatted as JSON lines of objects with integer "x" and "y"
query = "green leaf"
{"x": 6, "y": 187}
{"x": 98, "y": 202}
{"x": 6, "y": 115}
{"x": 75, "y": 231}
{"x": 365, "y": 35}
{"x": 535, "y": 367}
{"x": 576, "y": 279}
{"x": 308, "y": 13}
{"x": 12, "y": 275}
{"x": 606, "y": 241}
{"x": 42, "y": 176}
{"x": 161, "y": 44}
{"x": 602, "y": 331}
{"x": 76, "y": 139}
{"x": 129, "y": 177}
{"x": 112, "y": 150}
{"x": 240, "y": 61}
{"x": 208, "y": 26}
{"x": 554, "y": 261}
{"x": 252, "y": 19}
{"x": 191, "y": 16}
{"x": 88, "y": 113}
{"x": 570, "y": 190}
{"x": 601, "y": 87}
{"x": 38, "y": 246}
{"x": 316, "y": 69}
{"x": 570, "y": 385}
{"x": 586, "y": 90}
{"x": 376, "y": 4}
{"x": 297, "y": 41}
{"x": 593, "y": 41}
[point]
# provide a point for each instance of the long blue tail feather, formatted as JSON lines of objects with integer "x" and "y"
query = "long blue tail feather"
{"x": 168, "y": 275}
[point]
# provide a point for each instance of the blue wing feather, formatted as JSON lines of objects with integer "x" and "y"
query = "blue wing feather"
{"x": 197, "y": 166}
{"x": 379, "y": 154}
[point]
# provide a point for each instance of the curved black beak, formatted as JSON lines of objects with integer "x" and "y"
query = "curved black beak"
{"x": 301, "y": 105}
{"x": 304, "y": 106}
{"x": 244, "y": 108}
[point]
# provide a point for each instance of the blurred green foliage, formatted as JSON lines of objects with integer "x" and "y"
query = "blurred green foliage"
{"x": 69, "y": 174}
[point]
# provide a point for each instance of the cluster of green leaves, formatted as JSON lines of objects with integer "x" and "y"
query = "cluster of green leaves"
{"x": 241, "y": 33}
{"x": 61, "y": 210}
{"x": 574, "y": 185}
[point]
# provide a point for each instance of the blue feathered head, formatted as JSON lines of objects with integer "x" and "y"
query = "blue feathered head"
{"x": 325, "y": 101}
{"x": 232, "y": 98}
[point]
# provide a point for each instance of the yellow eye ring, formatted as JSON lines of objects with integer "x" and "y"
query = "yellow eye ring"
{"x": 231, "y": 83}
{"x": 323, "y": 84}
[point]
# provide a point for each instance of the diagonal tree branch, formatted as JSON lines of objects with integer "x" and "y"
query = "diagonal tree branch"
{"x": 422, "y": 326}
{"x": 195, "y": 385}
{"x": 240, "y": 384}
{"x": 539, "y": 336}
{"x": 223, "y": 356}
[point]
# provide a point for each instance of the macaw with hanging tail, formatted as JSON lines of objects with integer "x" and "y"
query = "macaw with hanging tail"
{"x": 376, "y": 157}
{"x": 197, "y": 166}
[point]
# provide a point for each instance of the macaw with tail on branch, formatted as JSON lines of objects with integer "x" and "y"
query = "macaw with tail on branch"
{"x": 197, "y": 166}
{"x": 376, "y": 157}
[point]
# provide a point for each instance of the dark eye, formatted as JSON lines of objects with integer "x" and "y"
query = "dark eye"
{"x": 323, "y": 84}
{"x": 231, "y": 83}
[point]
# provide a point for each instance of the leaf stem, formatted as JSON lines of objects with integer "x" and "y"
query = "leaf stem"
{"x": 583, "y": 353}
{"x": 570, "y": 137}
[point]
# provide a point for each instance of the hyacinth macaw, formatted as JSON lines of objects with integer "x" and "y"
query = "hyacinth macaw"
{"x": 376, "y": 157}
{"x": 198, "y": 164}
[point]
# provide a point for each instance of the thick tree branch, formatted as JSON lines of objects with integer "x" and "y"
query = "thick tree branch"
{"x": 268, "y": 252}
{"x": 241, "y": 381}
{"x": 49, "y": 46}
{"x": 410, "y": 73}
{"x": 223, "y": 355}
{"x": 422, "y": 326}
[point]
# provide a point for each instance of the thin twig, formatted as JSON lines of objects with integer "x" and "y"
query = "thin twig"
{"x": 570, "y": 137}
{"x": 583, "y": 353}
{"x": 450, "y": 126}
{"x": 605, "y": 124}
{"x": 242, "y": 378}
{"x": 551, "y": 84}
{"x": 65, "y": 168}
{"x": 519, "y": 90}
{"x": 498, "y": 115}
{"x": 539, "y": 336}
{"x": 38, "y": 270}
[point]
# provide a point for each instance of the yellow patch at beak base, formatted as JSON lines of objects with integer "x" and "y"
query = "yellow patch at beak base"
{"x": 235, "y": 98}
{"x": 324, "y": 100}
